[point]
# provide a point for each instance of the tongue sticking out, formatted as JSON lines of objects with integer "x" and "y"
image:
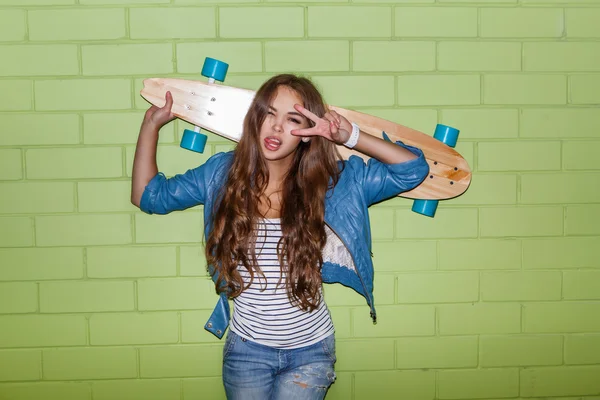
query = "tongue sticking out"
{"x": 272, "y": 143}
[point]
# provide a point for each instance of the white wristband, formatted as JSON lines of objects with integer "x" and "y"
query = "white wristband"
{"x": 353, "y": 139}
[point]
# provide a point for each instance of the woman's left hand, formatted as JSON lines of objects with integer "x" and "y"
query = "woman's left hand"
{"x": 332, "y": 126}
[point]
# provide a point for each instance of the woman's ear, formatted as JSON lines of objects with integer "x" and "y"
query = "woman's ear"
{"x": 306, "y": 139}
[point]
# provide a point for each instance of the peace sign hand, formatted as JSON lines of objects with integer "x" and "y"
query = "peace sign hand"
{"x": 332, "y": 126}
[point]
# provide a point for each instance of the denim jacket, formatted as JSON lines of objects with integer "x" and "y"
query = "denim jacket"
{"x": 347, "y": 257}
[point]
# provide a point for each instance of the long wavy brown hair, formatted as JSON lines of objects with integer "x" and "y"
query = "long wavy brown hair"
{"x": 314, "y": 169}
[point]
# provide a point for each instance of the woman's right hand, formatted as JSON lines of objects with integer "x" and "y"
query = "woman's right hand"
{"x": 157, "y": 117}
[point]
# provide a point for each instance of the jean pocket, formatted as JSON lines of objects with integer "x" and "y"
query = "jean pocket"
{"x": 229, "y": 343}
{"x": 329, "y": 347}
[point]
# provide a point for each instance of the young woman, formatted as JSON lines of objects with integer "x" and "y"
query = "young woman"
{"x": 283, "y": 215}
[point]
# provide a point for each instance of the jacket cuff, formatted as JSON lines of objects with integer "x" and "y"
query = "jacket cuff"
{"x": 150, "y": 193}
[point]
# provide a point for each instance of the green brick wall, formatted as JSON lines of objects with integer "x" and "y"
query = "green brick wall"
{"x": 497, "y": 297}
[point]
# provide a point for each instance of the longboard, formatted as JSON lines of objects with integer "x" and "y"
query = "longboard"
{"x": 221, "y": 109}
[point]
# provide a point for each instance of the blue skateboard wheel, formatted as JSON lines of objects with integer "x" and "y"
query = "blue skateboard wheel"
{"x": 446, "y": 134}
{"x": 194, "y": 141}
{"x": 425, "y": 207}
{"x": 214, "y": 69}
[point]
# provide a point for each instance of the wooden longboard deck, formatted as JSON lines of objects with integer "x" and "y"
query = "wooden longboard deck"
{"x": 221, "y": 109}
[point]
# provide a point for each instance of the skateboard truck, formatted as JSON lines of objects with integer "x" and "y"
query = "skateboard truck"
{"x": 448, "y": 136}
{"x": 214, "y": 70}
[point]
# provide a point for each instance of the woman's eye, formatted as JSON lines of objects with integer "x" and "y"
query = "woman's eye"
{"x": 296, "y": 121}
{"x": 271, "y": 113}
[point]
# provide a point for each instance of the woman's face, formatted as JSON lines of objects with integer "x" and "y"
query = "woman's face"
{"x": 276, "y": 143}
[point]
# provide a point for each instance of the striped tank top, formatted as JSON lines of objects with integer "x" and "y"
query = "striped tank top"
{"x": 263, "y": 313}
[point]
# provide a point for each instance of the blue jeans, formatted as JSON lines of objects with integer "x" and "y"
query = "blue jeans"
{"x": 252, "y": 371}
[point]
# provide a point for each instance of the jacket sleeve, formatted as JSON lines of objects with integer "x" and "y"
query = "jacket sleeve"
{"x": 163, "y": 195}
{"x": 381, "y": 181}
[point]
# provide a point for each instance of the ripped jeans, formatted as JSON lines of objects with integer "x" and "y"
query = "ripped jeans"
{"x": 252, "y": 371}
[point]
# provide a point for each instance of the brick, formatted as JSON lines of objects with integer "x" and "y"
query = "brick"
{"x": 520, "y": 286}
{"x": 480, "y": 383}
{"x": 584, "y": 89}
{"x": 561, "y": 317}
{"x": 18, "y": 297}
{"x": 451, "y": 223}
{"x": 394, "y": 321}
{"x": 127, "y": 59}
{"x": 561, "y": 253}
{"x": 241, "y": 56}
{"x": 13, "y": 25}
{"x": 252, "y": 82}
{"x": 579, "y": 155}
{"x": 36, "y": 197}
{"x": 338, "y": 295}
{"x": 38, "y": 129}
{"x": 104, "y": 196}
{"x": 438, "y": 287}
{"x": 59, "y": 59}
{"x": 42, "y": 330}
{"x": 384, "y": 288}
{"x": 524, "y": 89}
{"x": 446, "y": 22}
{"x": 261, "y": 22}
{"x": 419, "y": 119}
{"x": 483, "y": 123}
{"x": 192, "y": 327}
{"x": 129, "y": 2}
{"x": 180, "y": 361}
{"x": 77, "y": 24}
{"x": 210, "y": 388}
{"x": 559, "y": 188}
{"x": 342, "y": 320}
{"x": 348, "y": 21}
{"x": 70, "y": 163}
{"x": 16, "y": 231}
{"x": 172, "y": 228}
{"x": 21, "y": 97}
{"x": 583, "y": 220}
{"x": 489, "y": 189}
{"x": 82, "y": 230}
{"x": 325, "y": 55}
{"x": 521, "y": 22}
{"x": 429, "y": 90}
{"x": 415, "y": 256}
{"x": 524, "y": 156}
{"x": 520, "y": 351}
{"x": 192, "y": 261}
{"x": 521, "y": 221}
{"x": 566, "y": 56}
{"x": 172, "y": 160}
{"x": 40, "y": 264}
{"x": 479, "y": 318}
{"x": 47, "y": 390}
{"x": 119, "y": 128}
{"x": 20, "y": 365}
{"x": 581, "y": 285}
{"x": 134, "y": 328}
{"x": 10, "y": 164}
{"x": 138, "y": 389}
{"x": 130, "y": 262}
{"x": 172, "y": 23}
{"x": 582, "y": 349}
{"x": 89, "y": 363}
{"x": 437, "y": 352}
{"x": 356, "y": 91}
{"x": 582, "y": 22}
{"x": 35, "y": 2}
{"x": 560, "y": 381}
{"x": 365, "y": 355}
{"x": 176, "y": 294}
{"x": 382, "y": 223}
{"x": 90, "y": 296}
{"x": 559, "y": 123}
{"x": 487, "y": 254}
{"x": 479, "y": 56}
{"x": 414, "y": 385}
{"x": 57, "y": 95}
{"x": 393, "y": 56}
